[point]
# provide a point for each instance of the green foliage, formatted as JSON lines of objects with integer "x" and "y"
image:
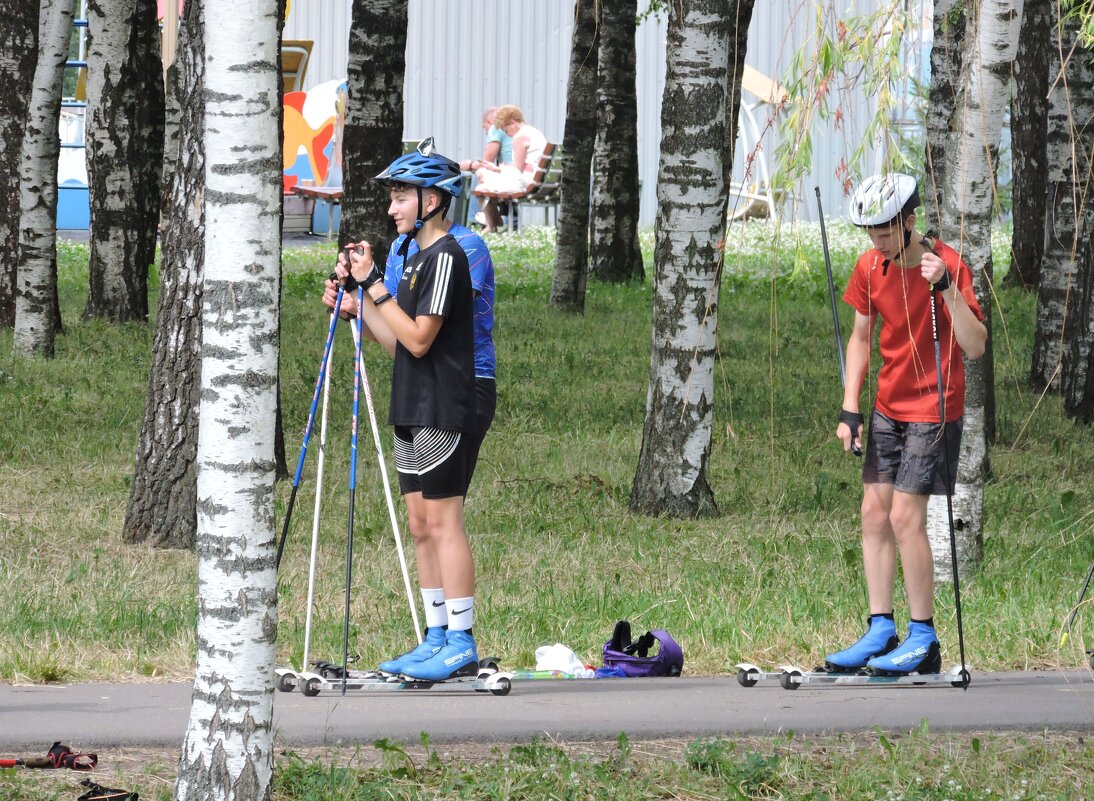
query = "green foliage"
{"x": 860, "y": 53}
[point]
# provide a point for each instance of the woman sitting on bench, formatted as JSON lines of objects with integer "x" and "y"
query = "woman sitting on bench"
{"x": 528, "y": 145}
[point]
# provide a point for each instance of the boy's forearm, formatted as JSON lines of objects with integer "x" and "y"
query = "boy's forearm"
{"x": 970, "y": 332}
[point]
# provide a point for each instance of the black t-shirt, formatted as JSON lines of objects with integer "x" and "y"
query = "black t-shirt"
{"x": 437, "y": 390}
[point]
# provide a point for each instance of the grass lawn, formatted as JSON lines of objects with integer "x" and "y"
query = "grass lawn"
{"x": 775, "y": 577}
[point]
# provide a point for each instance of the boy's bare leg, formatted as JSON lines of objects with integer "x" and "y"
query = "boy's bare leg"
{"x": 429, "y": 568}
{"x": 878, "y": 546}
{"x": 909, "y": 523}
{"x": 445, "y": 524}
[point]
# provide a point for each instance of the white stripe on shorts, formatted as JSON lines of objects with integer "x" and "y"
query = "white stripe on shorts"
{"x": 430, "y": 448}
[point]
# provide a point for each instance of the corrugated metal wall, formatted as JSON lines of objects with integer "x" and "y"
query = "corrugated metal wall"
{"x": 465, "y": 55}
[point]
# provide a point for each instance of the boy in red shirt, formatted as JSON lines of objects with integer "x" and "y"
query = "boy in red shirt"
{"x": 906, "y": 444}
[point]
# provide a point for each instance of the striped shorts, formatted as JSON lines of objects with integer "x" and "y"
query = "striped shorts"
{"x": 432, "y": 461}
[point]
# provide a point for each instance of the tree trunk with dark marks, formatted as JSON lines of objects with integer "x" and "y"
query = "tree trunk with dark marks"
{"x": 572, "y": 243}
{"x": 614, "y": 254}
{"x": 1028, "y": 127}
{"x": 227, "y": 752}
{"x": 18, "y": 54}
{"x": 125, "y": 133}
{"x": 947, "y": 53}
{"x": 706, "y": 50}
{"x": 162, "y": 506}
{"x": 374, "y": 118}
{"x": 37, "y": 314}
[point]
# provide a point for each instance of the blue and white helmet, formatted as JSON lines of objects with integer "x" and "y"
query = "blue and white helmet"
{"x": 424, "y": 168}
{"x": 879, "y": 199}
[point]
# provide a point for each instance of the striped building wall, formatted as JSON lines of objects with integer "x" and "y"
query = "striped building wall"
{"x": 465, "y": 55}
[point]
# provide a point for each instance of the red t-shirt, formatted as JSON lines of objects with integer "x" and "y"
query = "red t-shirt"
{"x": 907, "y": 387}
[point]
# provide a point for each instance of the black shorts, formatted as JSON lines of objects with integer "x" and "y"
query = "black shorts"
{"x": 909, "y": 455}
{"x": 486, "y": 402}
{"x": 432, "y": 461}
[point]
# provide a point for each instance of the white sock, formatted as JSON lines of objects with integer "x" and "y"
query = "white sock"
{"x": 461, "y": 613}
{"x": 435, "y": 614}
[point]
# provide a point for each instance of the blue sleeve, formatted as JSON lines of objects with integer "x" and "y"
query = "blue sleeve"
{"x": 393, "y": 269}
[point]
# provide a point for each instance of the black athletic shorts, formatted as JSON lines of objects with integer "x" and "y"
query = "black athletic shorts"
{"x": 909, "y": 455}
{"x": 432, "y": 461}
{"x": 486, "y": 402}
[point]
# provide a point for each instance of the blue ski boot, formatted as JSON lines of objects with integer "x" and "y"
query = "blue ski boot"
{"x": 919, "y": 653}
{"x": 880, "y": 638}
{"x": 458, "y": 658}
{"x": 433, "y": 642}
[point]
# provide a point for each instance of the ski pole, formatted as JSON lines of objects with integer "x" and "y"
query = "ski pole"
{"x": 59, "y": 756}
{"x": 835, "y": 312}
{"x": 308, "y": 427}
{"x": 965, "y": 677}
{"x": 319, "y": 469}
{"x": 387, "y": 488}
{"x": 1082, "y": 594}
{"x": 352, "y": 489}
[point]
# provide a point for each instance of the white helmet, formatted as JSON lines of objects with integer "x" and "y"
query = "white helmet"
{"x": 880, "y": 198}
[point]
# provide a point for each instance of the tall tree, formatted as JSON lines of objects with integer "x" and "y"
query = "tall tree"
{"x": 1068, "y": 192}
{"x": 1078, "y": 351}
{"x": 374, "y": 117}
{"x": 706, "y": 51}
{"x": 227, "y": 754}
{"x": 614, "y": 253}
{"x": 162, "y": 506}
{"x": 967, "y": 203}
{"x": 1028, "y": 127}
{"x": 37, "y": 316}
{"x": 18, "y": 54}
{"x": 125, "y": 131}
{"x": 572, "y": 243}
{"x": 946, "y": 57}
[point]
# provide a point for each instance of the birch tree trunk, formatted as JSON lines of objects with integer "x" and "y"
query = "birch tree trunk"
{"x": 613, "y": 251}
{"x": 374, "y": 118}
{"x": 1078, "y": 355}
{"x": 572, "y": 243}
{"x": 1066, "y": 197}
{"x": 37, "y": 317}
{"x": 18, "y": 54}
{"x": 1028, "y": 127}
{"x": 162, "y": 506}
{"x": 946, "y": 56}
{"x": 227, "y": 752}
{"x": 706, "y": 47}
{"x": 125, "y": 131}
{"x": 968, "y": 197}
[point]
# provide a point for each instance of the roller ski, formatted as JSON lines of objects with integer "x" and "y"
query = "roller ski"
{"x": 480, "y": 676}
{"x": 916, "y": 660}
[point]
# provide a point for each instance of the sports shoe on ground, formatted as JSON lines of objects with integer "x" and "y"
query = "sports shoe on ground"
{"x": 880, "y": 638}
{"x": 919, "y": 653}
{"x": 459, "y": 657}
{"x": 433, "y": 642}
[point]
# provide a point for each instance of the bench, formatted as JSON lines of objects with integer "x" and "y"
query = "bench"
{"x": 541, "y": 189}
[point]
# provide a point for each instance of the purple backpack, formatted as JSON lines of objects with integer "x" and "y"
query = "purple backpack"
{"x": 634, "y": 659}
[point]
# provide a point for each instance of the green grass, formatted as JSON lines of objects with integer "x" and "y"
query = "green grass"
{"x": 915, "y": 766}
{"x": 775, "y": 577}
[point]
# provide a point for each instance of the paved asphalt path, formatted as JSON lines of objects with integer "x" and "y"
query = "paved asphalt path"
{"x": 92, "y": 716}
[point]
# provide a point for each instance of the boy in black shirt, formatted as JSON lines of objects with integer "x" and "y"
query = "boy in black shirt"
{"x": 429, "y": 331}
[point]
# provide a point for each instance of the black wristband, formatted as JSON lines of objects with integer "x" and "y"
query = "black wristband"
{"x": 943, "y": 283}
{"x": 384, "y": 298}
{"x": 854, "y": 420}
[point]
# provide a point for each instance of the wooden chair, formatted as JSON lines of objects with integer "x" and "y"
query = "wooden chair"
{"x": 295, "y": 54}
{"x": 514, "y": 199}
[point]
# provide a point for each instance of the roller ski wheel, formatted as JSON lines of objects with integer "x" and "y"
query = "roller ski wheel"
{"x": 286, "y": 680}
{"x": 491, "y": 663}
{"x": 790, "y": 679}
{"x": 312, "y": 686}
{"x": 501, "y": 687}
{"x": 749, "y": 675}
